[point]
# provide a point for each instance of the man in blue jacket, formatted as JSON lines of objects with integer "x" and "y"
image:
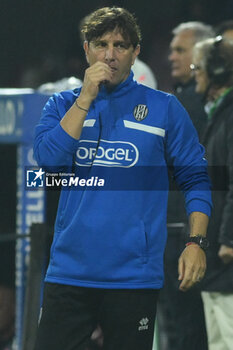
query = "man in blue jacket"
{"x": 106, "y": 264}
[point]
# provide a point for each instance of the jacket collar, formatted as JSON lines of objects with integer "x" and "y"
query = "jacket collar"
{"x": 119, "y": 90}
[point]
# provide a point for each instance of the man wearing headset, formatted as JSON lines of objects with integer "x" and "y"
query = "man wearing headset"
{"x": 213, "y": 67}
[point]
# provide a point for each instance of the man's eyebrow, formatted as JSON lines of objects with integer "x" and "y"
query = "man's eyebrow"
{"x": 116, "y": 42}
{"x": 121, "y": 42}
{"x": 124, "y": 43}
{"x": 97, "y": 41}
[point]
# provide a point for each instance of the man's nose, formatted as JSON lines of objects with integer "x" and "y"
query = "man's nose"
{"x": 172, "y": 56}
{"x": 110, "y": 53}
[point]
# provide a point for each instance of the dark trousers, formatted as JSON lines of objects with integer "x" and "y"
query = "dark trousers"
{"x": 181, "y": 314}
{"x": 71, "y": 314}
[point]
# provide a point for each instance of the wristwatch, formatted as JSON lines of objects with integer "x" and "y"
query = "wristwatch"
{"x": 200, "y": 240}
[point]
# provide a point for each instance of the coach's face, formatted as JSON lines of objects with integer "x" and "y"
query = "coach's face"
{"x": 112, "y": 49}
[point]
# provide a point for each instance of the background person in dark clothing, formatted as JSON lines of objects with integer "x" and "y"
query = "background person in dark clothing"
{"x": 213, "y": 66}
{"x": 179, "y": 325}
{"x": 185, "y": 37}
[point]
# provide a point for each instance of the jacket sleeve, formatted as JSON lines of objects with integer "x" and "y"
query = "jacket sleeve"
{"x": 185, "y": 156}
{"x": 226, "y": 228}
{"x": 53, "y": 147}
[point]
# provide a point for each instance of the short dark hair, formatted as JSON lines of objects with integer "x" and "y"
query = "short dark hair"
{"x": 107, "y": 19}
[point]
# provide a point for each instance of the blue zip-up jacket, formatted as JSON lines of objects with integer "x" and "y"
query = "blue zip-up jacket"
{"x": 113, "y": 237}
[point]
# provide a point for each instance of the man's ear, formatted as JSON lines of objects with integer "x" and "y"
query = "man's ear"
{"x": 136, "y": 53}
{"x": 86, "y": 49}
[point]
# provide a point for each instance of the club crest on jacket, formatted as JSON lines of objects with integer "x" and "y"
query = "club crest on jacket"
{"x": 140, "y": 112}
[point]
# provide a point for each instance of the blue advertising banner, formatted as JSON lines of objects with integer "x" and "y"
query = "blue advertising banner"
{"x": 20, "y": 111}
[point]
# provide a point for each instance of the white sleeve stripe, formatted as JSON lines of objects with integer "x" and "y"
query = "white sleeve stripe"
{"x": 146, "y": 128}
{"x": 89, "y": 122}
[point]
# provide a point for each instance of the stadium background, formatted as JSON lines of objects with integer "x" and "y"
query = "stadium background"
{"x": 40, "y": 42}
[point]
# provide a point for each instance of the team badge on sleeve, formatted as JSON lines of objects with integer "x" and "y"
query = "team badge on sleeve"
{"x": 140, "y": 112}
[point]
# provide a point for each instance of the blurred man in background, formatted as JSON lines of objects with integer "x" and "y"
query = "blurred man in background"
{"x": 182, "y": 316}
{"x": 185, "y": 36}
{"x": 213, "y": 67}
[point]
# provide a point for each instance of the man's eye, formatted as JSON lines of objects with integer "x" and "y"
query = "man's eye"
{"x": 121, "y": 46}
{"x": 180, "y": 50}
{"x": 100, "y": 44}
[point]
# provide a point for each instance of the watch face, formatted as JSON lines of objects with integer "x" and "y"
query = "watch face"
{"x": 204, "y": 243}
{"x": 201, "y": 241}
